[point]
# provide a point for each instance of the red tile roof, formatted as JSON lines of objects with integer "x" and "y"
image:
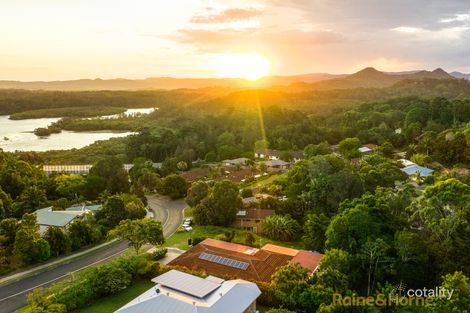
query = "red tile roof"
{"x": 308, "y": 260}
{"x": 263, "y": 262}
{"x": 280, "y": 250}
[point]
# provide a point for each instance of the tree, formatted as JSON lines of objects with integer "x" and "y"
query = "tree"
{"x": 29, "y": 246}
{"x": 334, "y": 270}
{"x": 8, "y": 229}
{"x": 174, "y": 186}
{"x": 314, "y": 230}
{"x": 108, "y": 279}
{"x": 281, "y": 227}
{"x": 139, "y": 232}
{"x": 58, "y": 240}
{"x": 93, "y": 187}
{"x": 198, "y": 191}
{"x": 112, "y": 170}
{"x": 31, "y": 199}
{"x": 349, "y": 147}
{"x": 69, "y": 186}
{"x": 112, "y": 212}
{"x": 81, "y": 233}
{"x": 460, "y": 300}
{"x": 5, "y": 204}
{"x": 386, "y": 148}
{"x": 220, "y": 206}
{"x": 321, "y": 149}
{"x": 421, "y": 159}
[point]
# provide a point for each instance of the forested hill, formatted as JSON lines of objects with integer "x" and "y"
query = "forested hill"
{"x": 215, "y": 99}
{"x": 372, "y": 78}
{"x": 368, "y": 77}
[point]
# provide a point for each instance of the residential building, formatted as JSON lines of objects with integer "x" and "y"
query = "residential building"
{"x": 179, "y": 292}
{"x": 235, "y": 162}
{"x": 367, "y": 148}
{"x": 277, "y": 164}
{"x": 272, "y": 154}
{"x": 79, "y": 169}
{"x": 252, "y": 219}
{"x": 222, "y": 258}
{"x": 47, "y": 217}
{"x": 415, "y": 170}
{"x": 412, "y": 169}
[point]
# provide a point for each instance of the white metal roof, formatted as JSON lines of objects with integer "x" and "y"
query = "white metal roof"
{"x": 233, "y": 296}
{"x": 189, "y": 284}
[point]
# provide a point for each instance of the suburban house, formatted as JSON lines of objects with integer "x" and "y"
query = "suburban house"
{"x": 272, "y": 154}
{"x": 277, "y": 164}
{"x": 175, "y": 291}
{"x": 251, "y": 219}
{"x": 235, "y": 162}
{"x": 412, "y": 169}
{"x": 48, "y": 217}
{"x": 224, "y": 259}
{"x": 367, "y": 148}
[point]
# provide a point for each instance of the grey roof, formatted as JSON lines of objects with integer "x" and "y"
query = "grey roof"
{"x": 48, "y": 217}
{"x": 240, "y": 161}
{"x": 189, "y": 284}
{"x": 364, "y": 149}
{"x": 274, "y": 163}
{"x": 92, "y": 208}
{"x": 415, "y": 169}
{"x": 233, "y": 296}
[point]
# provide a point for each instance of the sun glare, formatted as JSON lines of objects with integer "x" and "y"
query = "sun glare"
{"x": 250, "y": 66}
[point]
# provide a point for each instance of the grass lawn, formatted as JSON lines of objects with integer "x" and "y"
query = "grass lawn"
{"x": 180, "y": 240}
{"x": 259, "y": 183}
{"x": 114, "y": 302}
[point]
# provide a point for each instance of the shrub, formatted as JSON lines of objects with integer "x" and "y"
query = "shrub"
{"x": 109, "y": 279}
{"x": 197, "y": 240}
{"x": 268, "y": 296}
{"x": 159, "y": 254}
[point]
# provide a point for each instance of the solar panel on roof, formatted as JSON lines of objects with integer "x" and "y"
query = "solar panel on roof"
{"x": 223, "y": 260}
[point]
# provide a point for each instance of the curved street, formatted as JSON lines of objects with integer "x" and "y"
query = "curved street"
{"x": 13, "y": 295}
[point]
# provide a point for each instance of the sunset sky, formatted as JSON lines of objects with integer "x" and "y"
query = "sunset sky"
{"x": 70, "y": 39}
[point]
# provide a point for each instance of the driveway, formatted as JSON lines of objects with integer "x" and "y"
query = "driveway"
{"x": 13, "y": 295}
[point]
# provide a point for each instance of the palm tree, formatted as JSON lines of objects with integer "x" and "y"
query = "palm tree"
{"x": 281, "y": 227}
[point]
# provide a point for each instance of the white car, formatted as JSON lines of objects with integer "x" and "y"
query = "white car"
{"x": 187, "y": 228}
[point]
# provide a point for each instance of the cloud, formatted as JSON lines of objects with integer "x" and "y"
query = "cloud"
{"x": 407, "y": 29}
{"x": 465, "y": 17}
{"x": 226, "y": 16}
{"x": 227, "y": 39}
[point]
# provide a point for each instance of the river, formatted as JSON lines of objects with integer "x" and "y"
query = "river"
{"x": 18, "y": 134}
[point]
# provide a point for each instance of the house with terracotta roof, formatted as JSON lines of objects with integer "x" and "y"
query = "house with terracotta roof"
{"x": 252, "y": 219}
{"x": 226, "y": 259}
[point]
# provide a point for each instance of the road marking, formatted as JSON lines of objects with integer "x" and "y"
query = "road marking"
{"x": 63, "y": 276}
{"x": 167, "y": 217}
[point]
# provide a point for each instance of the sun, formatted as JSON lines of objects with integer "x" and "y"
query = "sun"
{"x": 251, "y": 66}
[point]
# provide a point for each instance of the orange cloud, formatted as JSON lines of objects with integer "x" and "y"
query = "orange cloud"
{"x": 217, "y": 40}
{"x": 226, "y": 16}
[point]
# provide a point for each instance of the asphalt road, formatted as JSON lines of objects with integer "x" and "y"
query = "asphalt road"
{"x": 170, "y": 212}
{"x": 13, "y": 295}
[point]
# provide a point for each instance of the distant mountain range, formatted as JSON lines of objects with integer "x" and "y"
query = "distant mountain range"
{"x": 366, "y": 78}
{"x": 460, "y": 75}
